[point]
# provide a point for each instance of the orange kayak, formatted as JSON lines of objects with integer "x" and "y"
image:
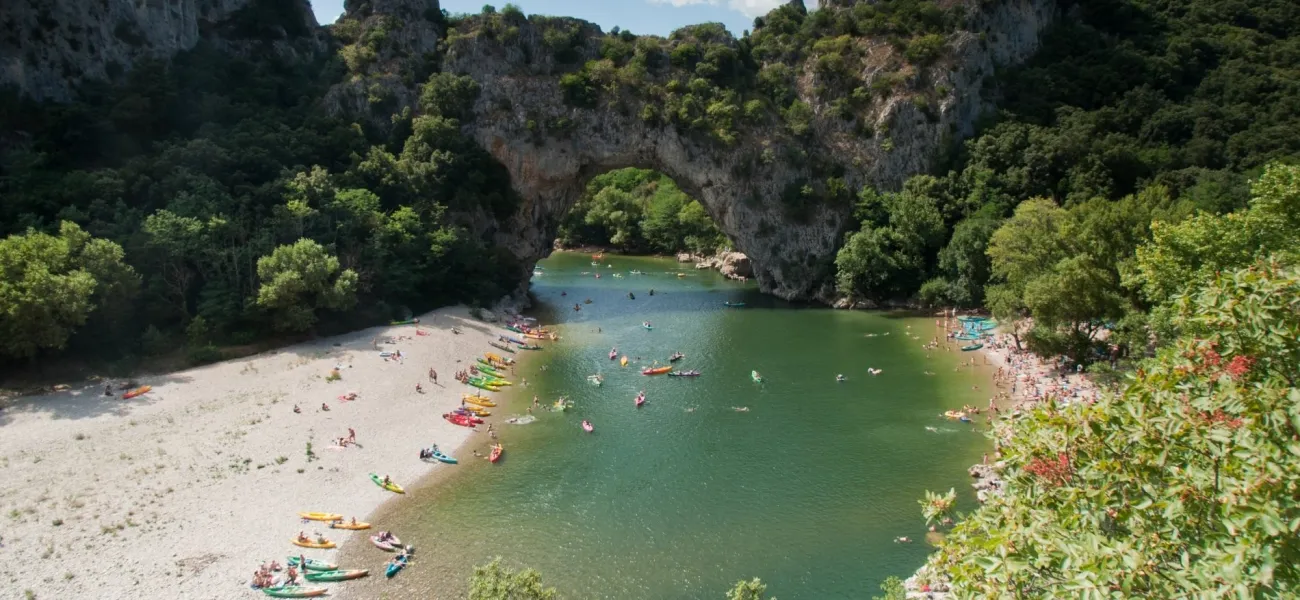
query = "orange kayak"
{"x": 144, "y": 389}
{"x": 496, "y": 453}
{"x": 656, "y": 371}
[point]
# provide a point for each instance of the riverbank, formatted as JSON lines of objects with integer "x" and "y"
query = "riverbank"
{"x": 188, "y": 488}
{"x": 1022, "y": 381}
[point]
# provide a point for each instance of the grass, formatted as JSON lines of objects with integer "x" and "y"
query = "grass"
{"x": 68, "y": 576}
{"x": 57, "y": 522}
{"x": 279, "y": 460}
{"x": 302, "y": 470}
{"x": 16, "y": 514}
{"x": 29, "y": 595}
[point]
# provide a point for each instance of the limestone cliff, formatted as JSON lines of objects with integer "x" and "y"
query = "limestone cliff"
{"x": 48, "y": 47}
{"x": 780, "y": 195}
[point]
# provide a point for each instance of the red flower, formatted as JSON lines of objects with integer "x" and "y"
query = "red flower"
{"x": 1239, "y": 366}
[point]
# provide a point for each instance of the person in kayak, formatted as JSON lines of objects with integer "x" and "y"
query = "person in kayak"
{"x": 631, "y": 296}
{"x": 387, "y": 481}
{"x": 839, "y": 377}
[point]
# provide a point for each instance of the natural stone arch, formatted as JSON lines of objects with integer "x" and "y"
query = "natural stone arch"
{"x": 748, "y": 183}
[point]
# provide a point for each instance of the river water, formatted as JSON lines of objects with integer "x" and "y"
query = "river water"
{"x": 684, "y": 496}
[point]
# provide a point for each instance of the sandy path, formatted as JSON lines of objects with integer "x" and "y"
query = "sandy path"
{"x": 183, "y": 492}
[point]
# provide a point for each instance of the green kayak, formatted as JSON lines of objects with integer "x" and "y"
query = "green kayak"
{"x": 533, "y": 347}
{"x": 343, "y": 575}
{"x": 314, "y": 565}
{"x": 483, "y": 386}
{"x": 294, "y": 591}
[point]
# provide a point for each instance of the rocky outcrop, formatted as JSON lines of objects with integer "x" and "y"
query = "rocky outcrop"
{"x": 732, "y": 265}
{"x": 552, "y": 148}
{"x": 48, "y": 47}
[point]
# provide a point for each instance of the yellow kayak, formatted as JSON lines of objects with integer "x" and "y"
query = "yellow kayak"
{"x": 478, "y": 412}
{"x": 311, "y": 544}
{"x": 320, "y": 516}
{"x": 352, "y": 526}
{"x": 390, "y": 486}
{"x": 479, "y": 400}
{"x": 623, "y": 361}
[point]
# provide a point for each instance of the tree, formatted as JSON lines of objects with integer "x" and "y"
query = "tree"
{"x": 754, "y": 589}
{"x": 49, "y": 285}
{"x": 494, "y": 582}
{"x": 300, "y": 279}
{"x": 1181, "y": 486}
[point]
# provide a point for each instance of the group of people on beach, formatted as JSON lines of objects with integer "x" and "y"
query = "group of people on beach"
{"x": 264, "y": 576}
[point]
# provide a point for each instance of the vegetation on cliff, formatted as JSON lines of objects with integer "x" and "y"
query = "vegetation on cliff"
{"x": 212, "y": 200}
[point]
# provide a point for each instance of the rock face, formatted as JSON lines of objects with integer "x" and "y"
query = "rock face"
{"x": 47, "y": 47}
{"x": 552, "y": 149}
{"x": 756, "y": 183}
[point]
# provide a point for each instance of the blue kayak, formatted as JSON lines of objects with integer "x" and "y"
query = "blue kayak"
{"x": 397, "y": 565}
{"x": 438, "y": 455}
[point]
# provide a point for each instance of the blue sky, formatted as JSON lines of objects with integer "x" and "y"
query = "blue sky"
{"x": 659, "y": 17}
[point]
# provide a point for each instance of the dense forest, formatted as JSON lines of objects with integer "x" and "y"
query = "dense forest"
{"x": 640, "y": 211}
{"x": 214, "y": 202}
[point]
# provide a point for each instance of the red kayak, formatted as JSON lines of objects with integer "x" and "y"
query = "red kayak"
{"x": 461, "y": 420}
{"x": 640, "y": 399}
{"x": 496, "y": 453}
{"x": 586, "y": 426}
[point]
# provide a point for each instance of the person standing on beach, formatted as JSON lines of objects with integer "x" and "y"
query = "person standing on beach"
{"x": 352, "y": 436}
{"x": 433, "y": 375}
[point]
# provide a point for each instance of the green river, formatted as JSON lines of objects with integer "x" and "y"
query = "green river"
{"x": 684, "y": 496}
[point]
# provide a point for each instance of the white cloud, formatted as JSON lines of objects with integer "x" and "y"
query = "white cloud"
{"x": 751, "y": 8}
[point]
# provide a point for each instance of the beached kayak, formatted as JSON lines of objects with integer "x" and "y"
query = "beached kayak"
{"x": 479, "y": 400}
{"x": 313, "y": 564}
{"x": 395, "y": 566}
{"x": 321, "y": 516}
{"x": 294, "y": 591}
{"x": 456, "y": 419}
{"x": 343, "y": 575}
{"x": 483, "y": 386}
{"x": 351, "y": 526}
{"x": 144, "y": 389}
{"x": 502, "y": 347}
{"x": 971, "y": 347}
{"x": 390, "y": 544}
{"x": 533, "y": 347}
{"x": 439, "y": 456}
{"x": 313, "y": 544}
{"x": 390, "y": 486}
{"x": 476, "y": 411}
{"x": 406, "y": 322}
{"x": 656, "y": 370}
{"x": 497, "y": 451}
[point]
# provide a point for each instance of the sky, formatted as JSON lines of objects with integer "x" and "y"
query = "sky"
{"x": 656, "y": 17}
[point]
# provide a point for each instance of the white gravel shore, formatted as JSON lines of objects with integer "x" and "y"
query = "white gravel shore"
{"x": 183, "y": 492}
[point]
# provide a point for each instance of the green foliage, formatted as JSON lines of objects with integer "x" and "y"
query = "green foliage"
{"x": 892, "y": 588}
{"x": 299, "y": 280}
{"x": 448, "y": 95}
{"x": 753, "y": 589}
{"x": 50, "y": 285}
{"x": 638, "y": 210}
{"x": 495, "y": 582}
{"x": 899, "y": 233}
{"x": 1180, "y": 486}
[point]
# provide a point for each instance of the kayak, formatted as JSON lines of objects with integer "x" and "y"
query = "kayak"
{"x": 756, "y": 377}
{"x": 461, "y": 420}
{"x": 390, "y": 545}
{"x": 511, "y": 340}
{"x": 460, "y": 412}
{"x": 476, "y": 411}
{"x": 648, "y": 327}
{"x": 514, "y": 329}
{"x": 537, "y": 336}
{"x": 623, "y": 361}
{"x": 320, "y": 516}
{"x": 969, "y": 336}
{"x": 969, "y": 319}
{"x": 483, "y": 386}
{"x": 587, "y": 427}
{"x": 313, "y": 564}
{"x": 533, "y": 347}
{"x": 640, "y": 400}
{"x": 144, "y": 389}
{"x": 656, "y": 371}
{"x": 502, "y": 347}
{"x": 439, "y": 456}
{"x": 342, "y": 575}
{"x": 685, "y": 374}
{"x": 971, "y": 347}
{"x": 497, "y": 450}
{"x": 390, "y": 486}
{"x": 406, "y": 322}
{"x": 293, "y": 591}
{"x": 676, "y": 357}
{"x": 595, "y": 380}
{"x": 479, "y": 400}
{"x": 311, "y": 544}
{"x": 356, "y": 527}
{"x": 497, "y": 358}
{"x": 734, "y": 304}
{"x": 394, "y": 567}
